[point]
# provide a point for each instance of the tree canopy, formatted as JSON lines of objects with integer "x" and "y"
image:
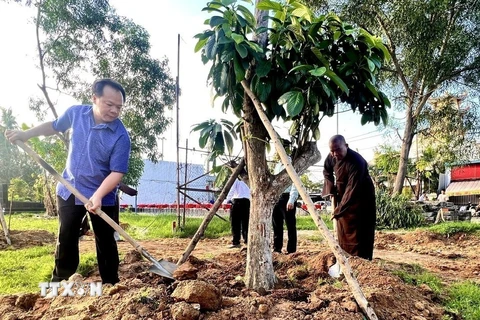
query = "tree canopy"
{"x": 435, "y": 48}
{"x": 80, "y": 41}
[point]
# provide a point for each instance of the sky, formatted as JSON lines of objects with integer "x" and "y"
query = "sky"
{"x": 164, "y": 20}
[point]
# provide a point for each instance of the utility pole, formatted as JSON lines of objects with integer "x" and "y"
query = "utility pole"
{"x": 177, "y": 92}
{"x": 163, "y": 139}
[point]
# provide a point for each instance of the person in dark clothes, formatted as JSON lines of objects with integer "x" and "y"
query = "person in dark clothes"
{"x": 239, "y": 196}
{"x": 347, "y": 179}
{"x": 284, "y": 211}
{"x": 97, "y": 160}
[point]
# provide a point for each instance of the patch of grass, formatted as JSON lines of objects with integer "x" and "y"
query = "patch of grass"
{"x": 415, "y": 275}
{"x": 451, "y": 228}
{"x": 25, "y": 221}
{"x": 88, "y": 263}
{"x": 464, "y": 299}
{"x": 144, "y": 227}
{"x": 22, "y": 270}
{"x": 306, "y": 222}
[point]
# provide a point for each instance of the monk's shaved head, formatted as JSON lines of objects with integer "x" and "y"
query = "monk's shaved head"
{"x": 338, "y": 138}
{"x": 338, "y": 147}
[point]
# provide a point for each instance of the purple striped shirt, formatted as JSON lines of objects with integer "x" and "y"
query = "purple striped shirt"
{"x": 95, "y": 151}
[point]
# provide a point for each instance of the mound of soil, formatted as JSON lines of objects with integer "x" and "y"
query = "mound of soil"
{"x": 304, "y": 291}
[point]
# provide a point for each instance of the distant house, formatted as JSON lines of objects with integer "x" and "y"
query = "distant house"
{"x": 158, "y": 184}
{"x": 463, "y": 183}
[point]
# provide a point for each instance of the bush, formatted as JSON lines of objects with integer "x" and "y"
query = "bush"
{"x": 395, "y": 212}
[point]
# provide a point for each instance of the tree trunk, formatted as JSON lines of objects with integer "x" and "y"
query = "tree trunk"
{"x": 404, "y": 152}
{"x": 50, "y": 197}
{"x": 259, "y": 273}
{"x": 259, "y": 268}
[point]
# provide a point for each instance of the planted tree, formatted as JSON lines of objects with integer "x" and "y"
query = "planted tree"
{"x": 79, "y": 41}
{"x": 298, "y": 67}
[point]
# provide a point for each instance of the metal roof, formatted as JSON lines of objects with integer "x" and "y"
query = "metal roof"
{"x": 463, "y": 188}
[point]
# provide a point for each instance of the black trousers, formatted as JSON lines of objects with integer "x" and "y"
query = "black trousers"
{"x": 279, "y": 215}
{"x": 239, "y": 216}
{"x": 67, "y": 253}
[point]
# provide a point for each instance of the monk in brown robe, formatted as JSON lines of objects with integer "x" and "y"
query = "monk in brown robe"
{"x": 347, "y": 179}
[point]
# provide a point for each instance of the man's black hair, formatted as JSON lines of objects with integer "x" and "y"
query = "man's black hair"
{"x": 99, "y": 84}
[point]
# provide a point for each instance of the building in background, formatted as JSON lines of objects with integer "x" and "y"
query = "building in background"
{"x": 463, "y": 183}
{"x": 158, "y": 184}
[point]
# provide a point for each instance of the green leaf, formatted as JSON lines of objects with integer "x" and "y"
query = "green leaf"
{"x": 372, "y": 89}
{"x": 211, "y": 48}
{"x": 263, "y": 68}
{"x": 294, "y": 102}
{"x": 254, "y": 46}
{"x": 227, "y": 55}
{"x": 200, "y": 44}
{"x": 316, "y": 134}
{"x": 228, "y": 141}
{"x": 269, "y": 5}
{"x": 238, "y": 38}
{"x": 371, "y": 65}
{"x": 337, "y": 35}
{"x": 339, "y": 82}
{"x": 318, "y": 72}
{"x": 319, "y": 55}
{"x": 384, "y": 115}
{"x": 302, "y": 12}
{"x": 247, "y": 14}
{"x": 239, "y": 70}
{"x": 302, "y": 67}
{"x": 263, "y": 90}
{"x": 228, "y": 2}
{"x": 216, "y": 20}
{"x": 366, "y": 117}
{"x": 242, "y": 51}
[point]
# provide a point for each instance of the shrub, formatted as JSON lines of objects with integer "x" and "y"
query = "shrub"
{"x": 394, "y": 212}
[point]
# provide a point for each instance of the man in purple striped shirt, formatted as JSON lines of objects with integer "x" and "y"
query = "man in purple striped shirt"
{"x": 97, "y": 159}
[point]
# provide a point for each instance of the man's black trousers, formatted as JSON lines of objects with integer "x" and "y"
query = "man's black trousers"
{"x": 67, "y": 253}
{"x": 239, "y": 216}
{"x": 281, "y": 214}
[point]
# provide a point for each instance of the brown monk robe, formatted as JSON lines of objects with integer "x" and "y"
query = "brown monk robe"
{"x": 353, "y": 188}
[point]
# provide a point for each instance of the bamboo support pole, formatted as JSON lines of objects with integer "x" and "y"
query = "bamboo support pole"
{"x": 213, "y": 211}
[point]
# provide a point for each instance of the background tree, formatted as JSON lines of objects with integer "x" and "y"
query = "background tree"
{"x": 298, "y": 67}
{"x": 309, "y": 185}
{"x": 13, "y": 163}
{"x": 81, "y": 40}
{"x": 434, "y": 47}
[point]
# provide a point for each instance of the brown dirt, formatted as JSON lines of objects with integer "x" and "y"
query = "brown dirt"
{"x": 304, "y": 289}
{"x": 25, "y": 239}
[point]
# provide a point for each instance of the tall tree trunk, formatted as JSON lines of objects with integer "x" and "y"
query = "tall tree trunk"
{"x": 259, "y": 268}
{"x": 408, "y": 135}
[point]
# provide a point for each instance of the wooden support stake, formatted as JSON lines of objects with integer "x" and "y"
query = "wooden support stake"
{"x": 332, "y": 243}
{"x": 4, "y": 226}
{"x": 213, "y": 211}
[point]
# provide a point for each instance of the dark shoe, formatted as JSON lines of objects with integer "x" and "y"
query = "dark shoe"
{"x": 233, "y": 246}
{"x": 277, "y": 251}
